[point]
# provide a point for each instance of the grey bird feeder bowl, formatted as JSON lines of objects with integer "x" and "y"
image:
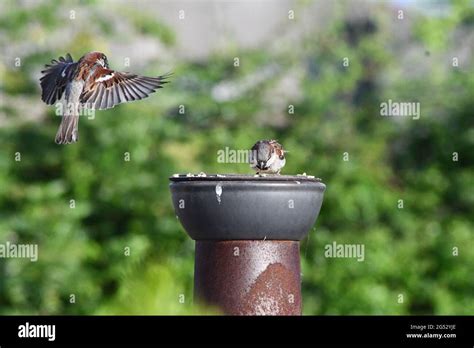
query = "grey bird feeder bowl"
{"x": 247, "y": 231}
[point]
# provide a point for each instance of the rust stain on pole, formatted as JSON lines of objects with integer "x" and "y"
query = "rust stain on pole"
{"x": 249, "y": 277}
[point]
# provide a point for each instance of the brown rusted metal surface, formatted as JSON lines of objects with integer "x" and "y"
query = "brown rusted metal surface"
{"x": 249, "y": 277}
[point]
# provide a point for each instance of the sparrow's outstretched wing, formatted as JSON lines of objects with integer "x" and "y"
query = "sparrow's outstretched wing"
{"x": 56, "y": 75}
{"x": 108, "y": 88}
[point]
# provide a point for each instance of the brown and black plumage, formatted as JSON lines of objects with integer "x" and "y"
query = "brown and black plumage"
{"x": 267, "y": 156}
{"x": 89, "y": 83}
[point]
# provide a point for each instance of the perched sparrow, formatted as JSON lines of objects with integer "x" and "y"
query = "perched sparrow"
{"x": 90, "y": 84}
{"x": 267, "y": 156}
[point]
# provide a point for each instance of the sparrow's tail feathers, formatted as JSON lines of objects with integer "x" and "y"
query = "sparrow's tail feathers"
{"x": 68, "y": 131}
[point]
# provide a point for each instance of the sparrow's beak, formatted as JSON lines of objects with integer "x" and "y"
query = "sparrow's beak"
{"x": 261, "y": 165}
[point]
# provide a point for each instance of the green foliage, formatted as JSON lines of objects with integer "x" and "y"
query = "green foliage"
{"x": 122, "y": 204}
{"x": 145, "y": 24}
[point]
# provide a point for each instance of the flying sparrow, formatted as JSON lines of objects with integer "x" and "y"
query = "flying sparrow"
{"x": 267, "y": 156}
{"x": 90, "y": 84}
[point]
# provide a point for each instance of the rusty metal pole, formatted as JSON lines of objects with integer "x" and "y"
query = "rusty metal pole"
{"x": 249, "y": 277}
{"x": 247, "y": 231}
